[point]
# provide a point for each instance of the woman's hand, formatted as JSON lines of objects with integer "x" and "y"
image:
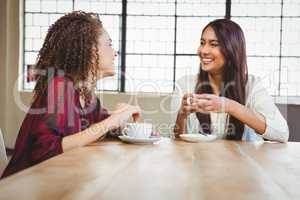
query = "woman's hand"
{"x": 124, "y": 112}
{"x": 210, "y": 103}
{"x": 98, "y": 130}
{"x": 186, "y": 107}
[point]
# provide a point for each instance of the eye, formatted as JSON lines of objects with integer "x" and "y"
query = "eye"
{"x": 214, "y": 44}
{"x": 202, "y": 43}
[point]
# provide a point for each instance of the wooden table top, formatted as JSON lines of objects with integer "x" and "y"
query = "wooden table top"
{"x": 168, "y": 170}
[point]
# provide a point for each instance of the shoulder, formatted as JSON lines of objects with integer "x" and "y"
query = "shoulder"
{"x": 256, "y": 91}
{"x": 186, "y": 83}
{"x": 254, "y": 84}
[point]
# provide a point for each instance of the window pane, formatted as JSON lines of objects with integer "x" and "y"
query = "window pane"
{"x": 49, "y": 11}
{"x": 64, "y": 6}
{"x": 201, "y": 7}
{"x": 28, "y": 19}
{"x": 30, "y": 58}
{"x": 150, "y": 7}
{"x": 187, "y": 65}
{"x": 32, "y": 32}
{"x": 291, "y": 8}
{"x": 151, "y": 37}
{"x": 28, "y": 44}
{"x": 268, "y": 70}
{"x": 256, "y": 8}
{"x": 189, "y": 33}
{"x": 290, "y": 82}
{"x": 291, "y": 37}
{"x": 32, "y": 5}
{"x": 260, "y": 34}
{"x": 48, "y": 5}
{"x": 150, "y": 34}
{"x": 41, "y": 20}
{"x": 149, "y": 73}
{"x": 98, "y": 6}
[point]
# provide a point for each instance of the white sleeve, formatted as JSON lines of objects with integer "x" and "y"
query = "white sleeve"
{"x": 261, "y": 102}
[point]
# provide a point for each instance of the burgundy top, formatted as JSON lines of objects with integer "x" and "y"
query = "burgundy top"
{"x": 50, "y": 118}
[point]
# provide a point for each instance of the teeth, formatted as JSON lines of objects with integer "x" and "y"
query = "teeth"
{"x": 206, "y": 60}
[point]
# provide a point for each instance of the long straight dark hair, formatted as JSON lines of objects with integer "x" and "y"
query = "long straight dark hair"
{"x": 235, "y": 74}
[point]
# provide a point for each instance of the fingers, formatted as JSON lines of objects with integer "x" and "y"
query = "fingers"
{"x": 124, "y": 112}
{"x": 202, "y": 105}
{"x": 136, "y": 113}
{"x": 209, "y": 108}
{"x": 204, "y": 96}
{"x": 187, "y": 99}
{"x": 188, "y": 109}
{"x": 185, "y": 96}
{"x": 194, "y": 103}
{"x": 136, "y": 117}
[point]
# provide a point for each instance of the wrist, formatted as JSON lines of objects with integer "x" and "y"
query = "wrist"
{"x": 112, "y": 122}
{"x": 230, "y": 106}
{"x": 182, "y": 113}
{"x": 102, "y": 127}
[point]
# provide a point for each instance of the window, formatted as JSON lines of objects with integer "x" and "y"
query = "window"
{"x": 162, "y": 37}
{"x": 40, "y": 14}
{"x": 272, "y": 33}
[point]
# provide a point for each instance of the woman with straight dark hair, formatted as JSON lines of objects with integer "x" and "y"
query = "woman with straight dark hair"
{"x": 223, "y": 99}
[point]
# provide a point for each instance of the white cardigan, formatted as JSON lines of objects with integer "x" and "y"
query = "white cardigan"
{"x": 257, "y": 99}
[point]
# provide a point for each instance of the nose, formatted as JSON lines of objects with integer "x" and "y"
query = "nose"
{"x": 116, "y": 53}
{"x": 203, "y": 49}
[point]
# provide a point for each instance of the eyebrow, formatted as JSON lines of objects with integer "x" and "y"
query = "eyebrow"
{"x": 210, "y": 40}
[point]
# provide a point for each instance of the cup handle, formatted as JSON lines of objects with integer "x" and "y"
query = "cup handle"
{"x": 124, "y": 131}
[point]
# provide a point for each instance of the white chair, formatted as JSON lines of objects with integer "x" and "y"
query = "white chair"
{"x": 3, "y": 156}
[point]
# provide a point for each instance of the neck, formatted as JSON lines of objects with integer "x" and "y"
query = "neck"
{"x": 215, "y": 81}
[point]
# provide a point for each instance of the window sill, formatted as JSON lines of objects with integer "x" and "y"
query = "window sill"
{"x": 291, "y": 100}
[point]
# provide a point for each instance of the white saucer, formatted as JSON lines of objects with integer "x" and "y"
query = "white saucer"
{"x": 197, "y": 137}
{"x": 126, "y": 138}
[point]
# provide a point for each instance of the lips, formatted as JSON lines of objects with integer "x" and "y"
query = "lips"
{"x": 206, "y": 60}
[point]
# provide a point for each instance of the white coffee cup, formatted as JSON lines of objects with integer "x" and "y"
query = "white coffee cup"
{"x": 138, "y": 130}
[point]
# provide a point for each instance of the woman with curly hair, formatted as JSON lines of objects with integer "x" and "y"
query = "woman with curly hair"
{"x": 65, "y": 112}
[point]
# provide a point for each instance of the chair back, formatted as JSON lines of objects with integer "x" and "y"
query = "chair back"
{"x": 3, "y": 156}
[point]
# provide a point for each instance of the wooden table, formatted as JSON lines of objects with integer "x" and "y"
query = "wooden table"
{"x": 169, "y": 170}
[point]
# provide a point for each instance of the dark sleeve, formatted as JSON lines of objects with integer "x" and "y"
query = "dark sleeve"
{"x": 46, "y": 143}
{"x": 59, "y": 120}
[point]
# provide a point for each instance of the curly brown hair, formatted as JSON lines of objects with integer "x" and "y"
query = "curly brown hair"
{"x": 71, "y": 46}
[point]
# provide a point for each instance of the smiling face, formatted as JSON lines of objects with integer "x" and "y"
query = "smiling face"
{"x": 106, "y": 56}
{"x": 211, "y": 58}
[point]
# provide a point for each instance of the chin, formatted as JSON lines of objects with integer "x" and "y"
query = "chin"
{"x": 109, "y": 73}
{"x": 206, "y": 68}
